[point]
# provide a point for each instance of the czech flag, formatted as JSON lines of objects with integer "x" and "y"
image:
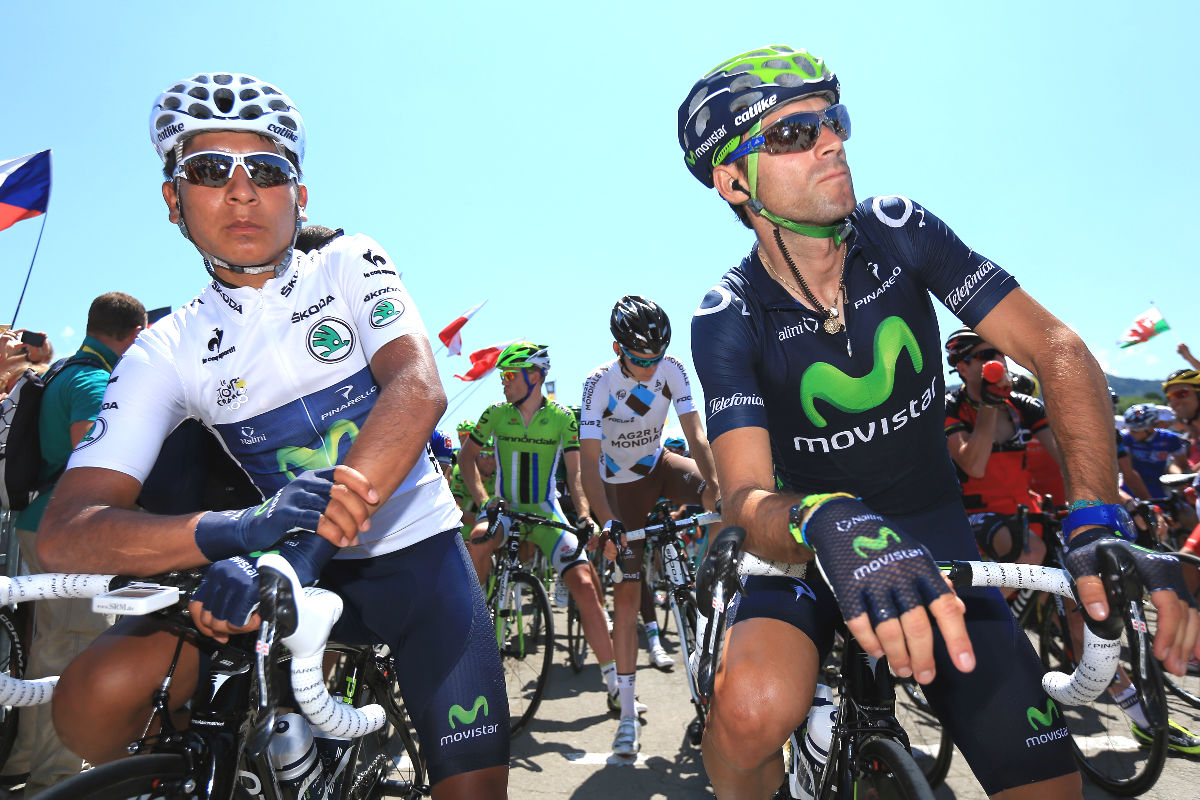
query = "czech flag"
{"x": 484, "y": 361}
{"x": 450, "y": 334}
{"x": 24, "y": 188}
{"x": 1148, "y": 324}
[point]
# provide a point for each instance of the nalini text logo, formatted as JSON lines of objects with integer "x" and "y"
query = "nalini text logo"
{"x": 330, "y": 340}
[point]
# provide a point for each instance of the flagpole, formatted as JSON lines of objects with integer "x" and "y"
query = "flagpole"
{"x": 30, "y": 272}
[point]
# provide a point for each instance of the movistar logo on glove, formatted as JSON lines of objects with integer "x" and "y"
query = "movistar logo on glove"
{"x": 874, "y": 565}
{"x": 874, "y": 543}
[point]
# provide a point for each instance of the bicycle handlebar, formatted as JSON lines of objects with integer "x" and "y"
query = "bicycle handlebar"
{"x": 534, "y": 519}
{"x": 707, "y": 518}
{"x": 1097, "y": 662}
{"x": 316, "y": 611}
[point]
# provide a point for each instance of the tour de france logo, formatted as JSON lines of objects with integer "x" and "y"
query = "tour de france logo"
{"x": 231, "y": 393}
{"x": 330, "y": 340}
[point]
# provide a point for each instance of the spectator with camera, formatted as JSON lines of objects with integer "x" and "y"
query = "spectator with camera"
{"x": 21, "y": 350}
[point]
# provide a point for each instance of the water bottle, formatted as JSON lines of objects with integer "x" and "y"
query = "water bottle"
{"x": 293, "y": 754}
{"x": 811, "y": 744}
{"x": 561, "y": 593}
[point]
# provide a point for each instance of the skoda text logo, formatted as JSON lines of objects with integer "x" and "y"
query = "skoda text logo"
{"x": 330, "y": 340}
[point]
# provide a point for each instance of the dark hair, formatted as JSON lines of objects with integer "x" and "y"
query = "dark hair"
{"x": 314, "y": 237}
{"x": 115, "y": 314}
{"x": 169, "y": 161}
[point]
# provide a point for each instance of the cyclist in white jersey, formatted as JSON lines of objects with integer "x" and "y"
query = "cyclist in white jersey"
{"x": 626, "y": 470}
{"x": 297, "y": 362}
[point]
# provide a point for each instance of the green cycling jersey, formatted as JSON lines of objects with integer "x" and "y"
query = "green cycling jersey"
{"x": 527, "y": 456}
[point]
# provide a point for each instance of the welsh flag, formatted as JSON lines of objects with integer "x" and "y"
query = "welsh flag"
{"x": 484, "y": 361}
{"x": 1147, "y": 325}
{"x": 450, "y": 334}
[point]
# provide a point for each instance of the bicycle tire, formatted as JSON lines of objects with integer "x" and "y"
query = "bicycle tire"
{"x": 388, "y": 762}
{"x": 929, "y": 742}
{"x": 156, "y": 776}
{"x": 1101, "y": 739}
{"x": 577, "y": 646}
{"x": 12, "y": 663}
{"x": 884, "y": 769}
{"x": 526, "y": 645}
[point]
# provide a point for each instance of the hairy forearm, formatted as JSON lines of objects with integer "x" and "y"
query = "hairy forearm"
{"x": 395, "y": 434}
{"x": 1078, "y": 408}
{"x": 764, "y": 515}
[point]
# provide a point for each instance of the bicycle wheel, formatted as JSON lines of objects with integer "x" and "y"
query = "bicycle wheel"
{"x": 12, "y": 663}
{"x": 577, "y": 646}
{"x": 1101, "y": 737}
{"x": 525, "y": 631}
{"x": 929, "y": 742}
{"x": 885, "y": 770}
{"x": 157, "y": 776}
{"x": 388, "y": 762}
{"x": 1186, "y": 688}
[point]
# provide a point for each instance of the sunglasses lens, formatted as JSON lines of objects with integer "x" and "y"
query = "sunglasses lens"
{"x": 267, "y": 170}
{"x": 839, "y": 120}
{"x": 793, "y": 134}
{"x": 207, "y": 169}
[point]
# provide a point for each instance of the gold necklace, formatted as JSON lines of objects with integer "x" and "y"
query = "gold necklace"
{"x": 831, "y": 324}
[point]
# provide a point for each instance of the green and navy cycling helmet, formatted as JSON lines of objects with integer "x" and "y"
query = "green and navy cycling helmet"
{"x": 727, "y": 102}
{"x": 524, "y": 355}
{"x": 227, "y": 101}
{"x": 466, "y": 426}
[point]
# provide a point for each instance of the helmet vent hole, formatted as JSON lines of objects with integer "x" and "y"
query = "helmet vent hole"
{"x": 198, "y": 92}
{"x": 251, "y": 112}
{"x": 164, "y": 120}
{"x": 200, "y": 79}
{"x": 697, "y": 99}
{"x": 199, "y": 111}
{"x": 177, "y": 88}
{"x": 172, "y": 103}
{"x": 277, "y": 105}
{"x": 737, "y": 69}
{"x": 247, "y": 94}
{"x": 806, "y": 65}
{"x": 223, "y": 79}
{"x": 244, "y": 79}
{"x": 224, "y": 100}
{"x": 789, "y": 79}
{"x": 288, "y": 121}
{"x": 744, "y": 101}
{"x": 702, "y": 121}
{"x": 777, "y": 63}
{"x": 744, "y": 82}
{"x": 270, "y": 90}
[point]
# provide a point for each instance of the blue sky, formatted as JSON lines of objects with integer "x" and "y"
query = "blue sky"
{"x": 526, "y": 153}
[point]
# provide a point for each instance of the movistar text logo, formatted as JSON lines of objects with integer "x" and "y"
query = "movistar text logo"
{"x": 854, "y": 395}
{"x": 1035, "y": 715}
{"x": 874, "y": 543}
{"x": 460, "y": 714}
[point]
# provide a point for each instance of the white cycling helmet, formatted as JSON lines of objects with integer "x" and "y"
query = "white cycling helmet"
{"x": 225, "y": 101}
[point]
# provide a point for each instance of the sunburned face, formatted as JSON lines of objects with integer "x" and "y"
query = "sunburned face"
{"x": 1183, "y": 401}
{"x": 240, "y": 223}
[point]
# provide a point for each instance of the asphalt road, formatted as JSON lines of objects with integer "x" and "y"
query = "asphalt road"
{"x": 566, "y": 751}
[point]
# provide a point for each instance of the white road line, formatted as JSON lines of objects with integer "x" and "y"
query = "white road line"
{"x": 597, "y": 759}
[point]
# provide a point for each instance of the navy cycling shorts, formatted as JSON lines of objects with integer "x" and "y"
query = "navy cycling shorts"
{"x": 425, "y": 603}
{"x": 989, "y": 712}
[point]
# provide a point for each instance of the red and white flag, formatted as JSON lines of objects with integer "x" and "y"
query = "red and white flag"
{"x": 484, "y": 361}
{"x": 450, "y": 334}
{"x": 1147, "y": 325}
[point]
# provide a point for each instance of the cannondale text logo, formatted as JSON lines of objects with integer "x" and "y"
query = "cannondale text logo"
{"x": 99, "y": 428}
{"x": 385, "y": 312}
{"x": 330, "y": 340}
{"x": 232, "y": 393}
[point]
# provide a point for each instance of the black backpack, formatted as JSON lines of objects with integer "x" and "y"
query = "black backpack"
{"x": 20, "y": 444}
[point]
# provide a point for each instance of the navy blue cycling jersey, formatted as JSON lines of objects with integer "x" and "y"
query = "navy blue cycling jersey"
{"x": 859, "y": 411}
{"x": 1152, "y": 456}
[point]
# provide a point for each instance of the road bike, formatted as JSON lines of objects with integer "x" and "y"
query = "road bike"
{"x": 521, "y": 612}
{"x": 366, "y": 739}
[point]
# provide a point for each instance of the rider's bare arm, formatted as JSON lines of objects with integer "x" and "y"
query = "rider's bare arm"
{"x": 470, "y": 473}
{"x": 971, "y": 451}
{"x": 575, "y": 481}
{"x": 699, "y": 448}
{"x": 593, "y": 484}
{"x": 749, "y": 498}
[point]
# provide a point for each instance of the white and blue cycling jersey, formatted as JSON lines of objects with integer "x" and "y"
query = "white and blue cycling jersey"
{"x": 1152, "y": 456}
{"x": 860, "y": 411}
{"x": 282, "y": 375}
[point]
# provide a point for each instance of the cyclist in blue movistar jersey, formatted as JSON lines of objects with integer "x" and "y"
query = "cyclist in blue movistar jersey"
{"x": 818, "y": 356}
{"x": 1152, "y": 452}
{"x": 315, "y": 372}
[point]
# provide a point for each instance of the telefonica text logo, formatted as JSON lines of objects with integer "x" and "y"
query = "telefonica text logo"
{"x": 823, "y": 381}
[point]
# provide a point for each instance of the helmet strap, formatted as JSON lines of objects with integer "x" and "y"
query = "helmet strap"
{"x": 528, "y": 387}
{"x": 836, "y": 232}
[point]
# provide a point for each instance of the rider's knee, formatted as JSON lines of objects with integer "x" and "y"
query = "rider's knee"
{"x": 753, "y": 719}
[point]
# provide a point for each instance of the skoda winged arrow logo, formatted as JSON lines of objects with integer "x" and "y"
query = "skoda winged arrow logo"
{"x": 823, "y": 381}
{"x": 460, "y": 714}
{"x": 386, "y": 312}
{"x": 330, "y": 340}
{"x": 1045, "y": 718}
{"x": 877, "y": 542}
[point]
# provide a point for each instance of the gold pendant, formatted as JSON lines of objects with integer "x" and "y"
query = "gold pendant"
{"x": 832, "y": 325}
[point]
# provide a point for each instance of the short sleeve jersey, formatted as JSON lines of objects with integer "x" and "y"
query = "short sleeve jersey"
{"x": 859, "y": 411}
{"x": 628, "y": 416}
{"x": 282, "y": 376}
{"x": 1151, "y": 457}
{"x": 527, "y": 456}
{"x": 1027, "y": 413}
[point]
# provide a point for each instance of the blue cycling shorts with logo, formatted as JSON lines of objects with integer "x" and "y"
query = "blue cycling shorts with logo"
{"x": 425, "y": 603}
{"x": 1008, "y": 729}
